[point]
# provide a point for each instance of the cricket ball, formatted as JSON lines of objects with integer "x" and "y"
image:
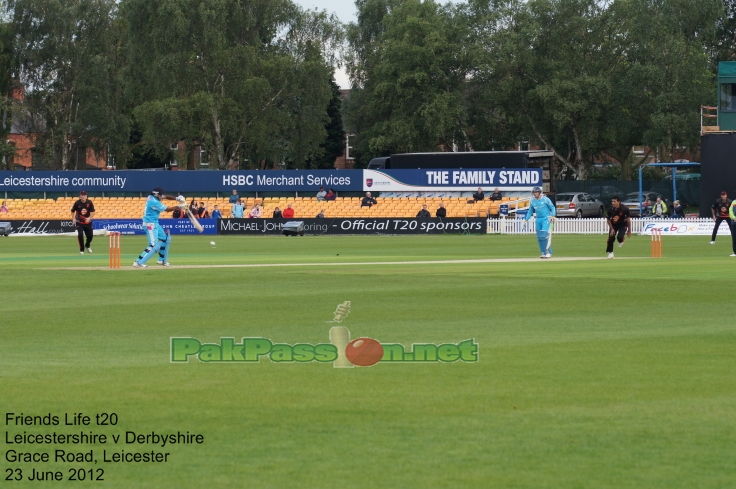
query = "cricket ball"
{"x": 364, "y": 352}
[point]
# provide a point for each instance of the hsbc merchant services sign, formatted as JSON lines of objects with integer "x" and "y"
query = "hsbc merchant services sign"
{"x": 269, "y": 180}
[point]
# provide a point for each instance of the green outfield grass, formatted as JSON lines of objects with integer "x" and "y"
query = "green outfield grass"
{"x": 591, "y": 374}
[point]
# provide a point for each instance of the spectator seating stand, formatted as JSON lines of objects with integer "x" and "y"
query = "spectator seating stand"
{"x": 304, "y": 207}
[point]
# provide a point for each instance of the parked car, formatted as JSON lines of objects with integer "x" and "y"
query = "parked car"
{"x": 578, "y": 204}
{"x": 632, "y": 202}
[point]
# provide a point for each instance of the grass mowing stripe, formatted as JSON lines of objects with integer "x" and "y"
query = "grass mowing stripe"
{"x": 603, "y": 373}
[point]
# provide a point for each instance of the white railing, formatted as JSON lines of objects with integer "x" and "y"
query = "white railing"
{"x": 519, "y": 205}
{"x": 596, "y": 225}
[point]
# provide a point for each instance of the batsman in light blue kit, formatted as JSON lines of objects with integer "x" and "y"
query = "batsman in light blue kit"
{"x": 159, "y": 241}
{"x": 545, "y": 211}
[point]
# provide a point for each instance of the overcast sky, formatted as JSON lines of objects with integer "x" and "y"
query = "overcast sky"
{"x": 345, "y": 11}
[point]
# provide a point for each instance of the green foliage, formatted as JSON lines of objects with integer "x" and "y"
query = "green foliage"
{"x": 143, "y": 155}
{"x": 245, "y": 80}
{"x": 724, "y": 48}
{"x": 334, "y": 143}
{"x": 668, "y": 58}
{"x": 410, "y": 96}
{"x": 605, "y": 172}
{"x": 588, "y": 79}
{"x": 248, "y": 81}
{"x": 69, "y": 56}
{"x": 7, "y": 69}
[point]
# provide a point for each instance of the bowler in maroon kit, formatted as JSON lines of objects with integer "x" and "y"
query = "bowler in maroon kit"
{"x": 619, "y": 223}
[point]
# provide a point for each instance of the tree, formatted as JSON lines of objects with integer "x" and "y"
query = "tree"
{"x": 490, "y": 88}
{"x": 246, "y": 80}
{"x": 142, "y": 155}
{"x": 7, "y": 84}
{"x": 667, "y": 77}
{"x": 408, "y": 63}
{"x": 334, "y": 144}
{"x": 552, "y": 66}
{"x": 68, "y": 54}
{"x": 725, "y": 46}
{"x": 592, "y": 78}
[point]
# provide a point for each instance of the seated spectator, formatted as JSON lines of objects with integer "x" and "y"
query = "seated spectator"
{"x": 202, "y": 212}
{"x": 479, "y": 195}
{"x": 255, "y": 212}
{"x": 4, "y": 208}
{"x": 441, "y": 211}
{"x": 677, "y": 211}
{"x": 331, "y": 195}
{"x": 321, "y": 214}
{"x": 321, "y": 194}
{"x": 646, "y": 209}
{"x": 288, "y": 212}
{"x": 277, "y": 213}
{"x": 237, "y": 210}
{"x": 496, "y": 195}
{"x": 368, "y": 201}
{"x": 178, "y": 214}
{"x": 424, "y": 213}
{"x": 193, "y": 207}
{"x": 216, "y": 214}
{"x": 234, "y": 197}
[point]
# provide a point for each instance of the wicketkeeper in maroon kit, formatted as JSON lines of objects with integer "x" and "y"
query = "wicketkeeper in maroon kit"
{"x": 83, "y": 211}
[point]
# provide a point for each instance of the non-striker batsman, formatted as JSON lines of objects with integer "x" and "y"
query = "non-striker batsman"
{"x": 545, "y": 211}
{"x": 159, "y": 241}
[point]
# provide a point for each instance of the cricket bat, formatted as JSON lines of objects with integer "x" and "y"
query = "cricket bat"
{"x": 194, "y": 221}
{"x": 549, "y": 239}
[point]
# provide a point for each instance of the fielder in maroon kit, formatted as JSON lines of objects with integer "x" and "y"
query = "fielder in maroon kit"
{"x": 83, "y": 211}
{"x": 719, "y": 210}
